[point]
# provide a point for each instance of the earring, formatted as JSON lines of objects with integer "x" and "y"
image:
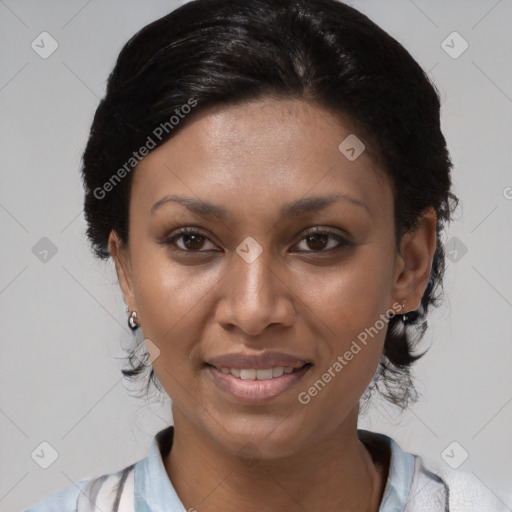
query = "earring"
{"x": 131, "y": 321}
{"x": 404, "y": 316}
{"x": 410, "y": 315}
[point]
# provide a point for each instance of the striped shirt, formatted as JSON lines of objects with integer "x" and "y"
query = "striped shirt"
{"x": 413, "y": 485}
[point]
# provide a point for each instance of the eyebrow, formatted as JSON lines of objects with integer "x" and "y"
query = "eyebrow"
{"x": 297, "y": 208}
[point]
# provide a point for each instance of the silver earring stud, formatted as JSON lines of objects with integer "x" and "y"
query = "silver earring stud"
{"x": 404, "y": 317}
{"x": 131, "y": 321}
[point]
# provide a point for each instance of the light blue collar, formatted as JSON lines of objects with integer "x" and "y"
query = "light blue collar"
{"x": 401, "y": 473}
{"x": 154, "y": 491}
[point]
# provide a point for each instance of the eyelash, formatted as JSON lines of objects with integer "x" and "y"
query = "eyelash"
{"x": 170, "y": 241}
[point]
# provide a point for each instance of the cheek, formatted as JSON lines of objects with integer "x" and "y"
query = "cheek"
{"x": 350, "y": 308}
{"x": 171, "y": 299}
{"x": 353, "y": 335}
{"x": 350, "y": 299}
{"x": 168, "y": 292}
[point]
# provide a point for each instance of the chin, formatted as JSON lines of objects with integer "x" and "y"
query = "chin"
{"x": 260, "y": 437}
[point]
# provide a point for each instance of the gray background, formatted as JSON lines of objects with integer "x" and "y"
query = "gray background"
{"x": 63, "y": 321}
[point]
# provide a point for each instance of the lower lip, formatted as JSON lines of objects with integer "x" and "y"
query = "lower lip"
{"x": 254, "y": 391}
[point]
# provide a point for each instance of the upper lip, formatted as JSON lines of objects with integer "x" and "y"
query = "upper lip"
{"x": 258, "y": 362}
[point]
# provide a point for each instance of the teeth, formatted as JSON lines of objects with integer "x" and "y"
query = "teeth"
{"x": 277, "y": 372}
{"x": 248, "y": 374}
{"x": 253, "y": 374}
{"x": 264, "y": 374}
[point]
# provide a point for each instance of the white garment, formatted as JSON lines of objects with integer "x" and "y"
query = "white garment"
{"x": 451, "y": 490}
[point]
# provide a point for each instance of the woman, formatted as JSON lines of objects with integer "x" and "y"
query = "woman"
{"x": 271, "y": 181}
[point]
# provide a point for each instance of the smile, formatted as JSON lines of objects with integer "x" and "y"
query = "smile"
{"x": 251, "y": 385}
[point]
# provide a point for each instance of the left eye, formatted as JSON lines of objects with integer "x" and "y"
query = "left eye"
{"x": 317, "y": 241}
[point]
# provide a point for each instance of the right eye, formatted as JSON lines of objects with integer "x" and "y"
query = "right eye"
{"x": 192, "y": 240}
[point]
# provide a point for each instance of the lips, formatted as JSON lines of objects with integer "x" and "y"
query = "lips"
{"x": 256, "y": 378}
{"x": 255, "y": 391}
{"x": 262, "y": 361}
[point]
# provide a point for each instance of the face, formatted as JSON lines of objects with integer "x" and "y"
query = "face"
{"x": 266, "y": 271}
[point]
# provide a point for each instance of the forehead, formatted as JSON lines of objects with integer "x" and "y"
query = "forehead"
{"x": 257, "y": 154}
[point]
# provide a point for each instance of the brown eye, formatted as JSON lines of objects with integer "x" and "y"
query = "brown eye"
{"x": 193, "y": 242}
{"x": 319, "y": 241}
{"x": 188, "y": 240}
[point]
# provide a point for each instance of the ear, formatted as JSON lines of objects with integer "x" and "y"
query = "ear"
{"x": 415, "y": 262}
{"x": 122, "y": 262}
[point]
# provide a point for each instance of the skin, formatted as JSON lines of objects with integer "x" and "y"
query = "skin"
{"x": 297, "y": 297}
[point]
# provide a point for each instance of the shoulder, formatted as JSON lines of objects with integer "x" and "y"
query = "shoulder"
{"x": 436, "y": 488}
{"x": 110, "y": 491}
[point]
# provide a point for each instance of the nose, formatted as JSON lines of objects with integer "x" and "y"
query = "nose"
{"x": 254, "y": 296}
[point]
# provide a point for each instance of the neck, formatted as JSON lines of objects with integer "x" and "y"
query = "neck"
{"x": 335, "y": 474}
